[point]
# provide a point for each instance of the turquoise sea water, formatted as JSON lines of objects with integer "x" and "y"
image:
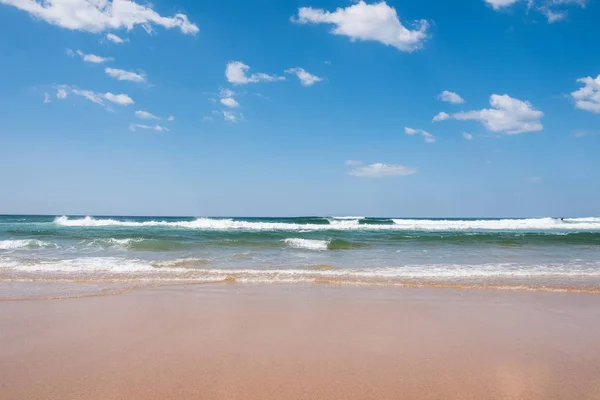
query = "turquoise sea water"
{"x": 543, "y": 253}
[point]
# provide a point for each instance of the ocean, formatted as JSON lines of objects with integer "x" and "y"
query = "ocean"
{"x": 525, "y": 254}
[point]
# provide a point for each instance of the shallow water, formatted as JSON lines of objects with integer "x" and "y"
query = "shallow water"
{"x": 542, "y": 253}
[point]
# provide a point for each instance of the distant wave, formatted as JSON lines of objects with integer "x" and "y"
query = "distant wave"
{"x": 345, "y": 223}
{"x": 24, "y": 244}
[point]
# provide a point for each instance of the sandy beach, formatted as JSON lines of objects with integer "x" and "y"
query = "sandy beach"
{"x": 235, "y": 341}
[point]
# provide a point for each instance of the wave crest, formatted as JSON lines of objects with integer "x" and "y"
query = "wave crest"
{"x": 524, "y": 225}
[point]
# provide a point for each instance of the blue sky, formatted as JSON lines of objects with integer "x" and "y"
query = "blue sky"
{"x": 305, "y": 107}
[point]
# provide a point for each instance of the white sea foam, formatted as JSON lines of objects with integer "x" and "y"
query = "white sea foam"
{"x": 191, "y": 269}
{"x": 307, "y": 244}
{"x": 23, "y": 244}
{"x": 531, "y": 224}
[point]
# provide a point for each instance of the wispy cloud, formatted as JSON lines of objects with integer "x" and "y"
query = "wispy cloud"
{"x": 101, "y": 15}
{"x": 368, "y": 22}
{"x": 230, "y": 116}
{"x": 98, "y": 98}
{"x": 47, "y": 98}
{"x": 553, "y": 10}
{"x": 306, "y": 78}
{"x": 91, "y": 58}
{"x": 145, "y": 115}
{"x": 535, "y": 179}
{"x": 429, "y": 138}
{"x": 353, "y": 162}
{"x": 115, "y": 39}
{"x": 380, "y": 170}
{"x": 467, "y": 136}
{"x": 122, "y": 75}
{"x": 157, "y": 128}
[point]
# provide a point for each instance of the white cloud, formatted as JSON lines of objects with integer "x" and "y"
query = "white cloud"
{"x": 429, "y": 138}
{"x": 47, "y": 98}
{"x": 499, "y": 4}
{"x": 120, "y": 99}
{"x": 507, "y": 115}
{"x": 115, "y": 39}
{"x": 98, "y": 98}
{"x": 171, "y": 118}
{"x": 441, "y": 116}
{"x": 230, "y": 116}
{"x": 122, "y": 75}
{"x": 236, "y": 74}
{"x": 467, "y": 136}
{"x": 379, "y": 170}
{"x": 61, "y": 93}
{"x": 553, "y": 10}
{"x": 451, "y": 97}
{"x": 91, "y": 58}
{"x": 353, "y": 162}
{"x": 361, "y": 21}
{"x": 157, "y": 128}
{"x": 145, "y": 115}
{"x": 230, "y": 102}
{"x": 306, "y": 78}
{"x": 100, "y": 15}
{"x": 227, "y": 99}
{"x": 553, "y": 16}
{"x": 588, "y": 97}
{"x": 88, "y": 94}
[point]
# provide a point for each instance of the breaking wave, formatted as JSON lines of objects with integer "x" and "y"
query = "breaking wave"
{"x": 24, "y": 244}
{"x": 348, "y": 223}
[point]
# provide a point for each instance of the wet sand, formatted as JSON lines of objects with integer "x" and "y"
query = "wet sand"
{"x": 234, "y": 341}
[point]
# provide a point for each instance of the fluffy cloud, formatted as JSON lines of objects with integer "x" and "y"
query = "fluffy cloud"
{"x": 451, "y": 97}
{"x": 361, "y": 21}
{"x": 236, "y": 74}
{"x": 588, "y": 97}
{"x": 230, "y": 102}
{"x": 157, "y": 128}
{"x": 122, "y": 75}
{"x": 61, "y": 94}
{"x": 98, "y": 98}
{"x": 115, "y": 39}
{"x": 353, "y": 162}
{"x": 120, "y": 99}
{"x": 507, "y": 115}
{"x": 101, "y": 15}
{"x": 467, "y": 136}
{"x": 441, "y": 117}
{"x": 379, "y": 170}
{"x": 306, "y": 78}
{"x": 91, "y": 58}
{"x": 145, "y": 115}
{"x": 227, "y": 99}
{"x": 429, "y": 138}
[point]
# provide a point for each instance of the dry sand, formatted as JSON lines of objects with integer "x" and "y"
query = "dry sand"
{"x": 302, "y": 342}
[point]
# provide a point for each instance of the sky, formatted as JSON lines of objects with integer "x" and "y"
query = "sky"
{"x": 430, "y": 108}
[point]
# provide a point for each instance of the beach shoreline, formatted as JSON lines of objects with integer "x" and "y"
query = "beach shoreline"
{"x": 302, "y": 342}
